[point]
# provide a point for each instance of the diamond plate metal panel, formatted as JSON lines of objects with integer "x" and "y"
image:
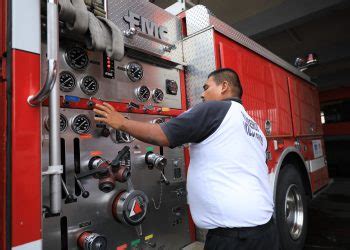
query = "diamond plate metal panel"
{"x": 117, "y": 9}
{"x": 197, "y": 19}
{"x": 200, "y": 57}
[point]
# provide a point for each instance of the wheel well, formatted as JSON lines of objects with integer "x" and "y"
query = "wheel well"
{"x": 296, "y": 160}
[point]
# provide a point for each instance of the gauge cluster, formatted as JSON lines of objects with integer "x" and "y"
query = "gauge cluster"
{"x": 82, "y": 74}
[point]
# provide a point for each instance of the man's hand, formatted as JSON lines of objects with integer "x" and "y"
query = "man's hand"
{"x": 143, "y": 131}
{"x": 109, "y": 116}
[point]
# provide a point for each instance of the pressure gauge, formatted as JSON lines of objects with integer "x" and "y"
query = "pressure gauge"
{"x": 157, "y": 95}
{"x": 81, "y": 124}
{"x": 63, "y": 123}
{"x": 158, "y": 121}
{"x": 89, "y": 85}
{"x": 143, "y": 93}
{"x": 77, "y": 58}
{"x": 67, "y": 81}
{"x": 134, "y": 71}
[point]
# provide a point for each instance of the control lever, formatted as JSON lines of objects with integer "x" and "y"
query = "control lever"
{"x": 85, "y": 193}
{"x": 70, "y": 198}
{"x": 121, "y": 154}
{"x": 132, "y": 105}
{"x": 97, "y": 171}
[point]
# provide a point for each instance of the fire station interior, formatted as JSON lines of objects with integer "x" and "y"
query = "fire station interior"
{"x": 298, "y": 32}
{"x": 68, "y": 181}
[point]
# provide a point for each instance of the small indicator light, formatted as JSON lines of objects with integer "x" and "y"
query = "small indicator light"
{"x": 135, "y": 242}
{"x": 122, "y": 247}
{"x": 149, "y": 149}
{"x": 148, "y": 237}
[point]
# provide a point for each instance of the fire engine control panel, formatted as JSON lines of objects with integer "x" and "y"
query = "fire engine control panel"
{"x": 117, "y": 192}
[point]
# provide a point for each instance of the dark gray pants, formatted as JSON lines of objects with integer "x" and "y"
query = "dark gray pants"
{"x": 264, "y": 237}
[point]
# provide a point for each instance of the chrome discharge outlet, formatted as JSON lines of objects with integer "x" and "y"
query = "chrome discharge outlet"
{"x": 155, "y": 160}
{"x": 92, "y": 241}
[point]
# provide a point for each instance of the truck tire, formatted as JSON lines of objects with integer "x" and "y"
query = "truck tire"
{"x": 291, "y": 208}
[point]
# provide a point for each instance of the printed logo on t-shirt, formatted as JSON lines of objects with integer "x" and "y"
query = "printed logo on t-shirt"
{"x": 251, "y": 128}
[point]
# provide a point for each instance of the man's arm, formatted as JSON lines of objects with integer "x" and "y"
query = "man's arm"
{"x": 143, "y": 131}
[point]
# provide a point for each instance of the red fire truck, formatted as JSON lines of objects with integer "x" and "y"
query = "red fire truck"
{"x": 68, "y": 182}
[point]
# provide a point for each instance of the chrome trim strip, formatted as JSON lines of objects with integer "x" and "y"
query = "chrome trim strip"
{"x": 316, "y": 164}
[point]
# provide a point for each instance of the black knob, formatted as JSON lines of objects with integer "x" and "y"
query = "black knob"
{"x": 85, "y": 193}
{"x": 90, "y": 104}
{"x": 105, "y": 132}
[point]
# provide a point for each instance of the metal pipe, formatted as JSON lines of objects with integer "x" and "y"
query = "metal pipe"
{"x": 52, "y": 22}
{"x": 54, "y": 109}
{"x": 35, "y": 100}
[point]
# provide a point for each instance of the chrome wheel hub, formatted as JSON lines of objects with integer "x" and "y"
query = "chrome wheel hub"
{"x": 294, "y": 212}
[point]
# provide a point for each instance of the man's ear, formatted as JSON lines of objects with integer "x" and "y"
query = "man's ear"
{"x": 225, "y": 87}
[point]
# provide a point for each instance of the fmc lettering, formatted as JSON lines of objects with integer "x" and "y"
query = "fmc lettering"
{"x": 251, "y": 128}
{"x": 146, "y": 26}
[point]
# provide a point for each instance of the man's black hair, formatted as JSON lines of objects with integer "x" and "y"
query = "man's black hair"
{"x": 229, "y": 75}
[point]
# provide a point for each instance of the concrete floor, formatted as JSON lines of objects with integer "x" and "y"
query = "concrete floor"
{"x": 329, "y": 218}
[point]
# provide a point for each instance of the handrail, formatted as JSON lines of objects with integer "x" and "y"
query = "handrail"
{"x": 35, "y": 100}
{"x": 130, "y": 33}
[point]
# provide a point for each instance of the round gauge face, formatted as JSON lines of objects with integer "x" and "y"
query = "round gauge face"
{"x": 63, "y": 123}
{"x": 157, "y": 121}
{"x": 81, "y": 124}
{"x": 134, "y": 71}
{"x": 157, "y": 95}
{"x": 77, "y": 58}
{"x": 143, "y": 93}
{"x": 67, "y": 81}
{"x": 89, "y": 85}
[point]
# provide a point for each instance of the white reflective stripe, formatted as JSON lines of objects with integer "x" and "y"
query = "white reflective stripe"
{"x": 26, "y": 25}
{"x": 34, "y": 245}
{"x": 316, "y": 164}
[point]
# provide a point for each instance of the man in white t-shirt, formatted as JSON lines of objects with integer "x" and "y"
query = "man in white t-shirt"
{"x": 227, "y": 183}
